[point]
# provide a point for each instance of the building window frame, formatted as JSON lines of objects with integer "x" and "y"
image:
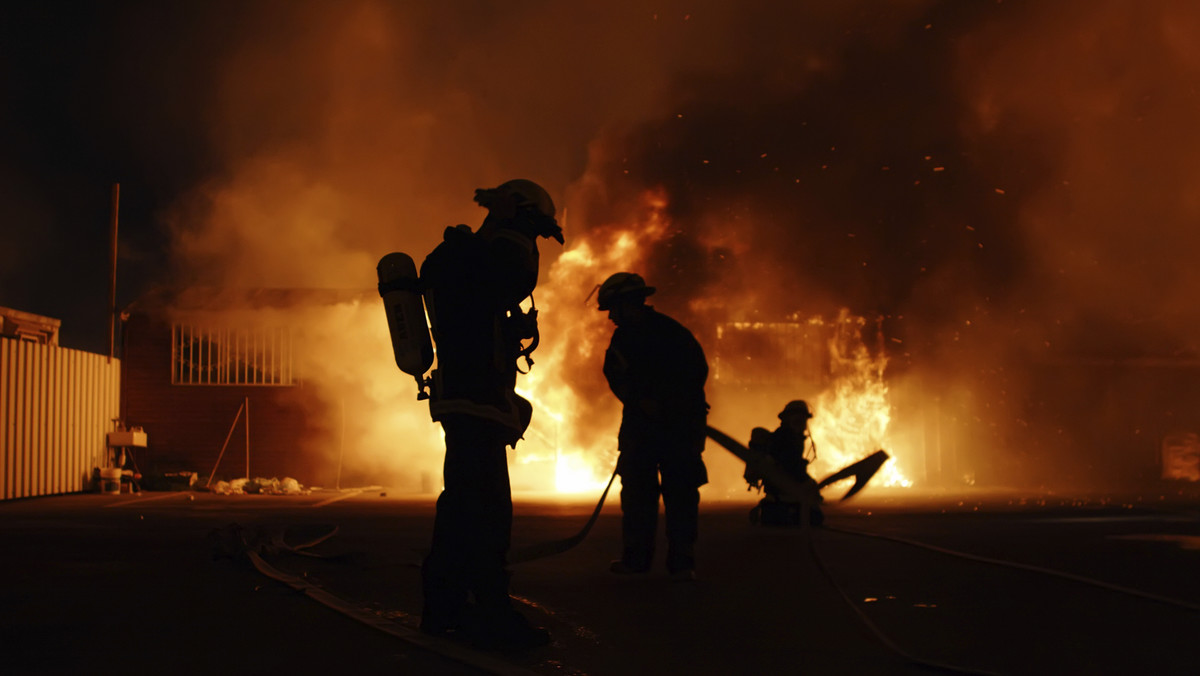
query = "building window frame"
{"x": 223, "y": 356}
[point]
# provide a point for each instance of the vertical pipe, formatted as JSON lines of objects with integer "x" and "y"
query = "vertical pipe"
{"x": 225, "y": 445}
{"x": 112, "y": 278}
{"x": 120, "y": 375}
{"x": 247, "y": 405}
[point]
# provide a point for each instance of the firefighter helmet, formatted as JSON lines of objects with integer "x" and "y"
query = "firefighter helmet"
{"x": 797, "y": 407}
{"x": 622, "y": 285}
{"x": 511, "y": 197}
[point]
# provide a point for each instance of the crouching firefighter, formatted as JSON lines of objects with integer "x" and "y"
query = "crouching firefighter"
{"x": 788, "y": 449}
{"x": 473, "y": 284}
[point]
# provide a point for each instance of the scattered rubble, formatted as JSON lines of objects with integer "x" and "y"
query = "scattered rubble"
{"x": 261, "y": 486}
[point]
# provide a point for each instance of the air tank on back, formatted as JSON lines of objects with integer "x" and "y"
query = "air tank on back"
{"x": 400, "y": 289}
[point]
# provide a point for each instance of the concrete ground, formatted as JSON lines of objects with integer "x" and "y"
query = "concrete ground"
{"x": 896, "y": 584}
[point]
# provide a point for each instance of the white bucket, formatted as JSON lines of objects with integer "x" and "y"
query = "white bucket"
{"x": 110, "y": 480}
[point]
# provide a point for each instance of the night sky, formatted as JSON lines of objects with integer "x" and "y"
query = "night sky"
{"x": 93, "y": 94}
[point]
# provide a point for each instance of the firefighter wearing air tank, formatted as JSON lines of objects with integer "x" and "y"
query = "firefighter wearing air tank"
{"x": 790, "y": 448}
{"x": 657, "y": 369}
{"x": 473, "y": 285}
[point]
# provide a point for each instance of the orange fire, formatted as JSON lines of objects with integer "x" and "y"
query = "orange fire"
{"x": 852, "y": 414}
{"x": 574, "y": 429}
{"x": 571, "y": 444}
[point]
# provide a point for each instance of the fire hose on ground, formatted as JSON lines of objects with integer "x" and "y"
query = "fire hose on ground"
{"x": 252, "y": 543}
{"x": 544, "y": 549}
{"x": 861, "y": 471}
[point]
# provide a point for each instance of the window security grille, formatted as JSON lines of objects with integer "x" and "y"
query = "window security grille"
{"x": 213, "y": 356}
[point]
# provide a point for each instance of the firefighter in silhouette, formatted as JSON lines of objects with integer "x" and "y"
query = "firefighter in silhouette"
{"x": 788, "y": 448}
{"x": 473, "y": 284}
{"x": 657, "y": 369}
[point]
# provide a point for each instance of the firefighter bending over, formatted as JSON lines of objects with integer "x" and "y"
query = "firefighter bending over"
{"x": 657, "y": 369}
{"x": 787, "y": 448}
{"x": 473, "y": 284}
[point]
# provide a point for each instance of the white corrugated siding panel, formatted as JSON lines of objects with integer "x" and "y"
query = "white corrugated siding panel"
{"x": 56, "y": 406}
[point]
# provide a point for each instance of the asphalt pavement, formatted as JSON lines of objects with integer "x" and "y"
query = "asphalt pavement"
{"x": 896, "y": 583}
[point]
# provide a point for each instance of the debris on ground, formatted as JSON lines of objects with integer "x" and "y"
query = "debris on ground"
{"x": 260, "y": 486}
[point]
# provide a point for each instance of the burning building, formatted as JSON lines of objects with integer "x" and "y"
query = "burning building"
{"x": 256, "y": 383}
{"x": 942, "y": 184}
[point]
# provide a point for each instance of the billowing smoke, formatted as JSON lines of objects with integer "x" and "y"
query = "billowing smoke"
{"x": 1008, "y": 185}
{"x": 347, "y": 131}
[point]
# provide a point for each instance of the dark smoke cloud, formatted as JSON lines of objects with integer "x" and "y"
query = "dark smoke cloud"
{"x": 841, "y": 169}
{"x": 396, "y": 112}
{"x": 1011, "y": 184}
{"x": 1112, "y": 229}
{"x": 936, "y": 159}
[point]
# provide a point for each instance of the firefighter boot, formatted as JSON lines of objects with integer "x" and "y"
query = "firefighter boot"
{"x": 443, "y": 602}
{"x": 681, "y": 561}
{"x": 632, "y": 562}
{"x": 500, "y": 627}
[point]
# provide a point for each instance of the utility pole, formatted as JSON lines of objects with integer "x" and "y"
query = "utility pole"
{"x": 112, "y": 292}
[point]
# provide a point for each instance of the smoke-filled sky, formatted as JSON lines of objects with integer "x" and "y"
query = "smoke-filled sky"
{"x": 953, "y": 160}
{"x": 981, "y": 172}
{"x": 329, "y": 127}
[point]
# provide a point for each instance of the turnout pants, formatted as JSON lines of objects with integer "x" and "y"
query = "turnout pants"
{"x": 473, "y": 525}
{"x": 681, "y": 478}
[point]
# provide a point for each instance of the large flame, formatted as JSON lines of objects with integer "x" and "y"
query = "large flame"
{"x": 574, "y": 427}
{"x": 1038, "y": 207}
{"x": 575, "y": 424}
{"x": 853, "y": 414}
